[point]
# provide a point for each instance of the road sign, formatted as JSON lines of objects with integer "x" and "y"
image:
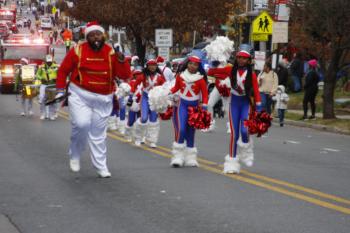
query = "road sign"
{"x": 54, "y": 10}
{"x": 280, "y": 32}
{"x": 260, "y": 37}
{"x": 164, "y": 52}
{"x": 164, "y": 37}
{"x": 263, "y": 24}
{"x": 259, "y": 60}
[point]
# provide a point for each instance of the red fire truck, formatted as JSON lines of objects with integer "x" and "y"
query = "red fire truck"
{"x": 14, "y": 48}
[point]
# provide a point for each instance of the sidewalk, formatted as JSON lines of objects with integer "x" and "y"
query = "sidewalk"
{"x": 319, "y": 115}
{"x": 313, "y": 125}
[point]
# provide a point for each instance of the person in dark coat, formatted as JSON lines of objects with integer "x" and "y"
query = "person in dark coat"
{"x": 311, "y": 89}
{"x": 282, "y": 73}
{"x": 297, "y": 70}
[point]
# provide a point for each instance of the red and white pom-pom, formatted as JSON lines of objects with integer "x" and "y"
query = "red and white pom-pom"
{"x": 158, "y": 99}
{"x": 123, "y": 90}
{"x": 220, "y": 49}
{"x": 167, "y": 115}
{"x": 199, "y": 118}
{"x": 258, "y": 123}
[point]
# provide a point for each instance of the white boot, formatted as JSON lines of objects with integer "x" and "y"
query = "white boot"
{"x": 178, "y": 155}
{"x": 191, "y": 157}
{"x": 112, "y": 124}
{"x": 128, "y": 133}
{"x": 153, "y": 133}
{"x": 245, "y": 152}
{"x": 231, "y": 165}
{"x": 140, "y": 131}
{"x": 121, "y": 126}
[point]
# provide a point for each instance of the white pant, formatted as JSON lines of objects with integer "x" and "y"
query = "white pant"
{"x": 214, "y": 97}
{"x": 50, "y": 110}
{"x": 89, "y": 114}
{"x": 27, "y": 104}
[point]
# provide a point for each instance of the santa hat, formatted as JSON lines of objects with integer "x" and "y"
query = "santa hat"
{"x": 160, "y": 59}
{"x": 24, "y": 60}
{"x": 243, "y": 53}
{"x": 93, "y": 26}
{"x": 194, "y": 59}
{"x": 151, "y": 62}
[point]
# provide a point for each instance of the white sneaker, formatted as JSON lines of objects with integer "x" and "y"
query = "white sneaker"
{"x": 74, "y": 165}
{"x": 153, "y": 145}
{"x": 23, "y": 113}
{"x": 52, "y": 118}
{"x": 104, "y": 174}
{"x": 30, "y": 113}
{"x": 42, "y": 117}
{"x": 137, "y": 143}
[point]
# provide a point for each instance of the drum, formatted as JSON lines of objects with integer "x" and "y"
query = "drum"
{"x": 30, "y": 91}
{"x": 50, "y": 93}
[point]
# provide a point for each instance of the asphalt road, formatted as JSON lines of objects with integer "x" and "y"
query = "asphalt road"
{"x": 300, "y": 183}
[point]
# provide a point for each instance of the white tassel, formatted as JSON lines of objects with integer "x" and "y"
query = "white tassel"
{"x": 220, "y": 49}
{"x": 158, "y": 99}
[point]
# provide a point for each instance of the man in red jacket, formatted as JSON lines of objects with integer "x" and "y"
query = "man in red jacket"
{"x": 92, "y": 67}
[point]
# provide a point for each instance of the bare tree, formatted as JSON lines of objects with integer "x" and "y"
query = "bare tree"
{"x": 327, "y": 26}
{"x": 140, "y": 18}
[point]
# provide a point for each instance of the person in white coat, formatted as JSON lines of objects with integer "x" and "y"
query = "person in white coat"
{"x": 281, "y": 98}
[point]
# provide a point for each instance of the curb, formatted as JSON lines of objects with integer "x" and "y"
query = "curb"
{"x": 314, "y": 126}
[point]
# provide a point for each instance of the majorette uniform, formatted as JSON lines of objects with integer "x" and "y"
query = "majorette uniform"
{"x": 134, "y": 110}
{"x": 240, "y": 106}
{"x": 90, "y": 103}
{"x": 221, "y": 80}
{"x": 148, "y": 83}
{"x": 192, "y": 89}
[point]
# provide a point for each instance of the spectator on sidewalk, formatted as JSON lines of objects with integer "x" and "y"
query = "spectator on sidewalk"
{"x": 268, "y": 83}
{"x": 281, "y": 98}
{"x": 311, "y": 89}
{"x": 282, "y": 73}
{"x": 297, "y": 70}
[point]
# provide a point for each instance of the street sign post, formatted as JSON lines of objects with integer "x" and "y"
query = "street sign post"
{"x": 280, "y": 32}
{"x": 164, "y": 52}
{"x": 164, "y": 37}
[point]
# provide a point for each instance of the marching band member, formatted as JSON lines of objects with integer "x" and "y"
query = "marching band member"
{"x": 92, "y": 66}
{"x": 244, "y": 84}
{"x": 134, "y": 110}
{"x": 47, "y": 74}
{"x": 150, "y": 78}
{"x": 219, "y": 92}
{"x": 192, "y": 86}
{"x": 20, "y": 85}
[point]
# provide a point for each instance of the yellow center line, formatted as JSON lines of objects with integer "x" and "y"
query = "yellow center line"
{"x": 206, "y": 166}
{"x": 272, "y": 180}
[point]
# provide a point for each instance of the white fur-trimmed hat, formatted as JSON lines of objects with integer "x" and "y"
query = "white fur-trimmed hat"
{"x": 93, "y": 26}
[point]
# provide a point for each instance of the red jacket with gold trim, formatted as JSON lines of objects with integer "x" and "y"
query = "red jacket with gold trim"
{"x": 94, "y": 71}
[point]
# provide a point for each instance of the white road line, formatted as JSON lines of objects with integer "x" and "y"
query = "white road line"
{"x": 293, "y": 142}
{"x": 330, "y": 149}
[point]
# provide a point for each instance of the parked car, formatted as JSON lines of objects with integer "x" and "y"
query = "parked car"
{"x": 45, "y": 23}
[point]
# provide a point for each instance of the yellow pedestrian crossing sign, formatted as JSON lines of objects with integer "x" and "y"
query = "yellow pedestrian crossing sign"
{"x": 263, "y": 24}
{"x": 54, "y": 10}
